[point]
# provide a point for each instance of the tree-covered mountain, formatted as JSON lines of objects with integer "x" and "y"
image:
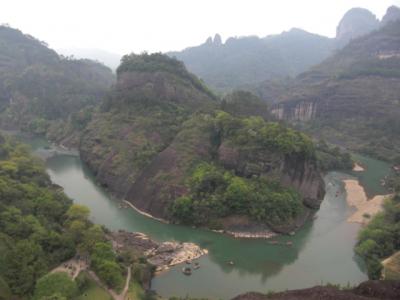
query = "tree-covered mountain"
{"x": 162, "y": 141}
{"x": 38, "y": 86}
{"x": 352, "y": 98}
{"x": 249, "y": 60}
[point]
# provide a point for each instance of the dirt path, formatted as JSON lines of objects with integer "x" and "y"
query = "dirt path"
{"x": 72, "y": 267}
{"x": 126, "y": 287}
{"x": 112, "y": 293}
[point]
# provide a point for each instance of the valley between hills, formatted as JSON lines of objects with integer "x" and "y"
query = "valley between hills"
{"x": 250, "y": 167}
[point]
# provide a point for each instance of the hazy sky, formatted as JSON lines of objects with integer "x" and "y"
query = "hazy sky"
{"x": 124, "y": 26}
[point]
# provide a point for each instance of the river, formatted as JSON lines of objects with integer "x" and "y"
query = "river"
{"x": 322, "y": 251}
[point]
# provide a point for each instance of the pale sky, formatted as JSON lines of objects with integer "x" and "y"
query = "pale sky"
{"x": 123, "y": 26}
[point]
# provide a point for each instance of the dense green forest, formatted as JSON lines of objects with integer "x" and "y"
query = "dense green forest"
{"x": 40, "y": 228}
{"x": 332, "y": 158}
{"x": 217, "y": 192}
{"x": 33, "y": 212}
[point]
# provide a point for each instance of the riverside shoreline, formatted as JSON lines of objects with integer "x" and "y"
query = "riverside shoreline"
{"x": 358, "y": 168}
{"x": 365, "y": 208}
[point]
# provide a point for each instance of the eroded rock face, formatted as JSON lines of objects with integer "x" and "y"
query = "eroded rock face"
{"x": 305, "y": 178}
{"x": 301, "y": 111}
{"x": 299, "y": 174}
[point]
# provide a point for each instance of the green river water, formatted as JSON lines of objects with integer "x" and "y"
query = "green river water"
{"x": 322, "y": 251}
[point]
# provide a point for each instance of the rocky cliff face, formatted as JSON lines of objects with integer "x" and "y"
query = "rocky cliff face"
{"x": 300, "y": 111}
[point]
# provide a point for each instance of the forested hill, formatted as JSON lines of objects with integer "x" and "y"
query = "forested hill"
{"x": 37, "y": 85}
{"x": 352, "y": 98}
{"x": 41, "y": 229}
{"x": 33, "y": 237}
{"x": 162, "y": 141}
{"x": 249, "y": 60}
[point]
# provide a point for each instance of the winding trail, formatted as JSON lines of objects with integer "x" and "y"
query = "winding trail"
{"x": 73, "y": 267}
{"x": 126, "y": 287}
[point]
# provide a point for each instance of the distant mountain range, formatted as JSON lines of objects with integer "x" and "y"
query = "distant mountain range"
{"x": 245, "y": 61}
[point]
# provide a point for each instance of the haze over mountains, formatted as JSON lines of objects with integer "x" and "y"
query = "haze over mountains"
{"x": 244, "y": 61}
{"x": 188, "y": 150}
{"x": 240, "y": 62}
{"x": 111, "y": 60}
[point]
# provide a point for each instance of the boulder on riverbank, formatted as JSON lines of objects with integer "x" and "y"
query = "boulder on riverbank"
{"x": 161, "y": 255}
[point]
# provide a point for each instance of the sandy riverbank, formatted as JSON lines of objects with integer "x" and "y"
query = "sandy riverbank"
{"x": 144, "y": 213}
{"x": 357, "y": 198}
{"x": 252, "y": 235}
{"x": 358, "y": 168}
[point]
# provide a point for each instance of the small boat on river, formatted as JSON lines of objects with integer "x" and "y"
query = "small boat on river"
{"x": 187, "y": 271}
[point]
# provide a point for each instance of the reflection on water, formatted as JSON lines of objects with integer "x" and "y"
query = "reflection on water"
{"x": 322, "y": 251}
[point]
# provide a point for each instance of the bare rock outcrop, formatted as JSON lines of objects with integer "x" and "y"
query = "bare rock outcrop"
{"x": 161, "y": 255}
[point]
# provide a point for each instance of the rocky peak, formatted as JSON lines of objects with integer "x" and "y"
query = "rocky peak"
{"x": 356, "y": 22}
{"x": 217, "y": 40}
{"x": 392, "y": 14}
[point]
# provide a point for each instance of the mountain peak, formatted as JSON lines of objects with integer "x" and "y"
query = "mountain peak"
{"x": 356, "y": 22}
{"x": 392, "y": 14}
{"x": 217, "y": 40}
